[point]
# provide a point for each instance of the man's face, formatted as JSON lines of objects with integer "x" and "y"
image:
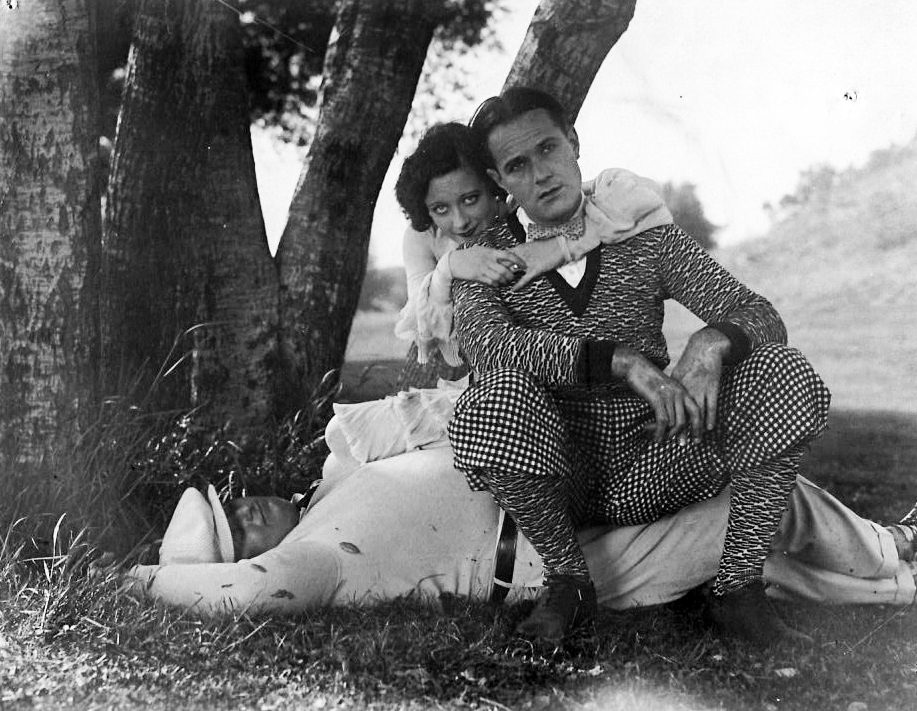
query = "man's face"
{"x": 537, "y": 163}
{"x": 258, "y": 523}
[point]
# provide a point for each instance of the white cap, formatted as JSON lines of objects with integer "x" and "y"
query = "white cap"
{"x": 198, "y": 531}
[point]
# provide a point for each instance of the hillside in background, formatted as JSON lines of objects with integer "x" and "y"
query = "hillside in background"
{"x": 840, "y": 264}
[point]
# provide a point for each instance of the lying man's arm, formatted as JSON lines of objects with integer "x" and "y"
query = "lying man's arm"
{"x": 294, "y": 576}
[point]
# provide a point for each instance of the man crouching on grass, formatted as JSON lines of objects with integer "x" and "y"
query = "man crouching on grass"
{"x": 568, "y": 380}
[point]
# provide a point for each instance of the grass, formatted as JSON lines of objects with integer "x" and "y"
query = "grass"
{"x": 72, "y": 639}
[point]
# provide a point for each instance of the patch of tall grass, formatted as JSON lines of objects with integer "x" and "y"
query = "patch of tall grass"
{"x": 104, "y": 504}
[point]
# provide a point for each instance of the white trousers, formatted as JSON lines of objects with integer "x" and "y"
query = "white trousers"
{"x": 823, "y": 552}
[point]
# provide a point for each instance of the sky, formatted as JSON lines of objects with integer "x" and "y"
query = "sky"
{"x": 736, "y": 97}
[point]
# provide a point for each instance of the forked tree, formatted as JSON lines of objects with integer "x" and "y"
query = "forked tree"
{"x": 192, "y": 300}
{"x": 190, "y": 297}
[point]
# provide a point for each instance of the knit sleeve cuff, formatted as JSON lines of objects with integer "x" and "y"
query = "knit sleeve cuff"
{"x": 739, "y": 342}
{"x": 594, "y": 364}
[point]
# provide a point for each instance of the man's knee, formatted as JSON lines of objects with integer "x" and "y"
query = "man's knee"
{"x": 776, "y": 358}
{"x": 505, "y": 387}
{"x": 778, "y": 383}
{"x": 784, "y": 367}
{"x": 508, "y": 380}
{"x": 501, "y": 402}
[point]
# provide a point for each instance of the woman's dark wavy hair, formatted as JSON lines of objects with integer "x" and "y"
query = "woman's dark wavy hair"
{"x": 510, "y": 104}
{"x": 443, "y": 148}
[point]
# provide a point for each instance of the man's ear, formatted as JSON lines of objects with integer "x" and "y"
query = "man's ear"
{"x": 495, "y": 176}
{"x": 574, "y": 139}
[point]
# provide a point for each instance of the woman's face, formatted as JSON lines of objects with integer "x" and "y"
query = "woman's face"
{"x": 460, "y": 204}
{"x": 258, "y": 523}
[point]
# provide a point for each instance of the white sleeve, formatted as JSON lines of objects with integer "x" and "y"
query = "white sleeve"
{"x": 427, "y": 316}
{"x": 622, "y": 205}
{"x": 295, "y": 576}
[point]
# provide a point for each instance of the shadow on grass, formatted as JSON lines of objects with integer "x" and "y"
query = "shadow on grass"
{"x": 869, "y": 461}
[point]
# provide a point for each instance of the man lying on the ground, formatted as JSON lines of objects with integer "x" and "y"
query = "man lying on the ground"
{"x": 409, "y": 524}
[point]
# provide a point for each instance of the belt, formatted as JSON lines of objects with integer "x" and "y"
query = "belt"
{"x": 505, "y": 559}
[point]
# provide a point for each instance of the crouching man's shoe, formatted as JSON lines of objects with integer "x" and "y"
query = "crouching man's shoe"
{"x": 566, "y": 604}
{"x": 746, "y": 613}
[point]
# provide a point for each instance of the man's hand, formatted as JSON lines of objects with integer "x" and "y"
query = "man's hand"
{"x": 494, "y": 267}
{"x": 673, "y": 406}
{"x": 700, "y": 369}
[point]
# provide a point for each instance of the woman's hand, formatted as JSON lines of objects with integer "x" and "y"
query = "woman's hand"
{"x": 540, "y": 256}
{"x": 494, "y": 267}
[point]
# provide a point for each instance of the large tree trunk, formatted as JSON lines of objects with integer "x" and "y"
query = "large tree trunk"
{"x": 371, "y": 72}
{"x": 49, "y": 227}
{"x": 565, "y": 45}
{"x": 187, "y": 260}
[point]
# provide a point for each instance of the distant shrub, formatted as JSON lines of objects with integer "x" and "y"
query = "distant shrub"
{"x": 688, "y": 212}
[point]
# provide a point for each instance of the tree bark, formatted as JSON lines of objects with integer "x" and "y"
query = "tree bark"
{"x": 191, "y": 289}
{"x": 371, "y": 72}
{"x": 49, "y": 228}
{"x": 565, "y": 45}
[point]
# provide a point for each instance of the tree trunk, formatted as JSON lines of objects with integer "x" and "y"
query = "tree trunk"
{"x": 187, "y": 260}
{"x": 49, "y": 227}
{"x": 565, "y": 45}
{"x": 371, "y": 72}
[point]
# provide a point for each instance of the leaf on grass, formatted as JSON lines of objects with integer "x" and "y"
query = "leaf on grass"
{"x": 786, "y": 672}
{"x": 285, "y": 594}
{"x": 595, "y": 671}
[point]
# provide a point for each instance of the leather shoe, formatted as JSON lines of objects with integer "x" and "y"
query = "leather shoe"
{"x": 747, "y": 613}
{"x": 566, "y": 604}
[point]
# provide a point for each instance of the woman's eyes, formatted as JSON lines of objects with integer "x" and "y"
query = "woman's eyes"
{"x": 443, "y": 210}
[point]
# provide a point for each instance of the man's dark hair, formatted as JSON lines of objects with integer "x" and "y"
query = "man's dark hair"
{"x": 512, "y": 103}
{"x": 443, "y": 148}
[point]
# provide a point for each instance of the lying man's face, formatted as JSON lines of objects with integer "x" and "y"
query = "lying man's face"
{"x": 536, "y": 162}
{"x": 258, "y": 523}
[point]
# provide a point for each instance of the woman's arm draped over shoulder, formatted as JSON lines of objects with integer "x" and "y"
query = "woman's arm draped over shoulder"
{"x": 426, "y": 318}
{"x": 618, "y": 204}
{"x": 491, "y": 339}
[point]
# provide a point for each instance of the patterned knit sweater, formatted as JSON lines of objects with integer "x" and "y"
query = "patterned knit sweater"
{"x": 565, "y": 336}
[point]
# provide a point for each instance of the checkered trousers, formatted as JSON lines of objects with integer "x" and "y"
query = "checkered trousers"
{"x": 558, "y": 459}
